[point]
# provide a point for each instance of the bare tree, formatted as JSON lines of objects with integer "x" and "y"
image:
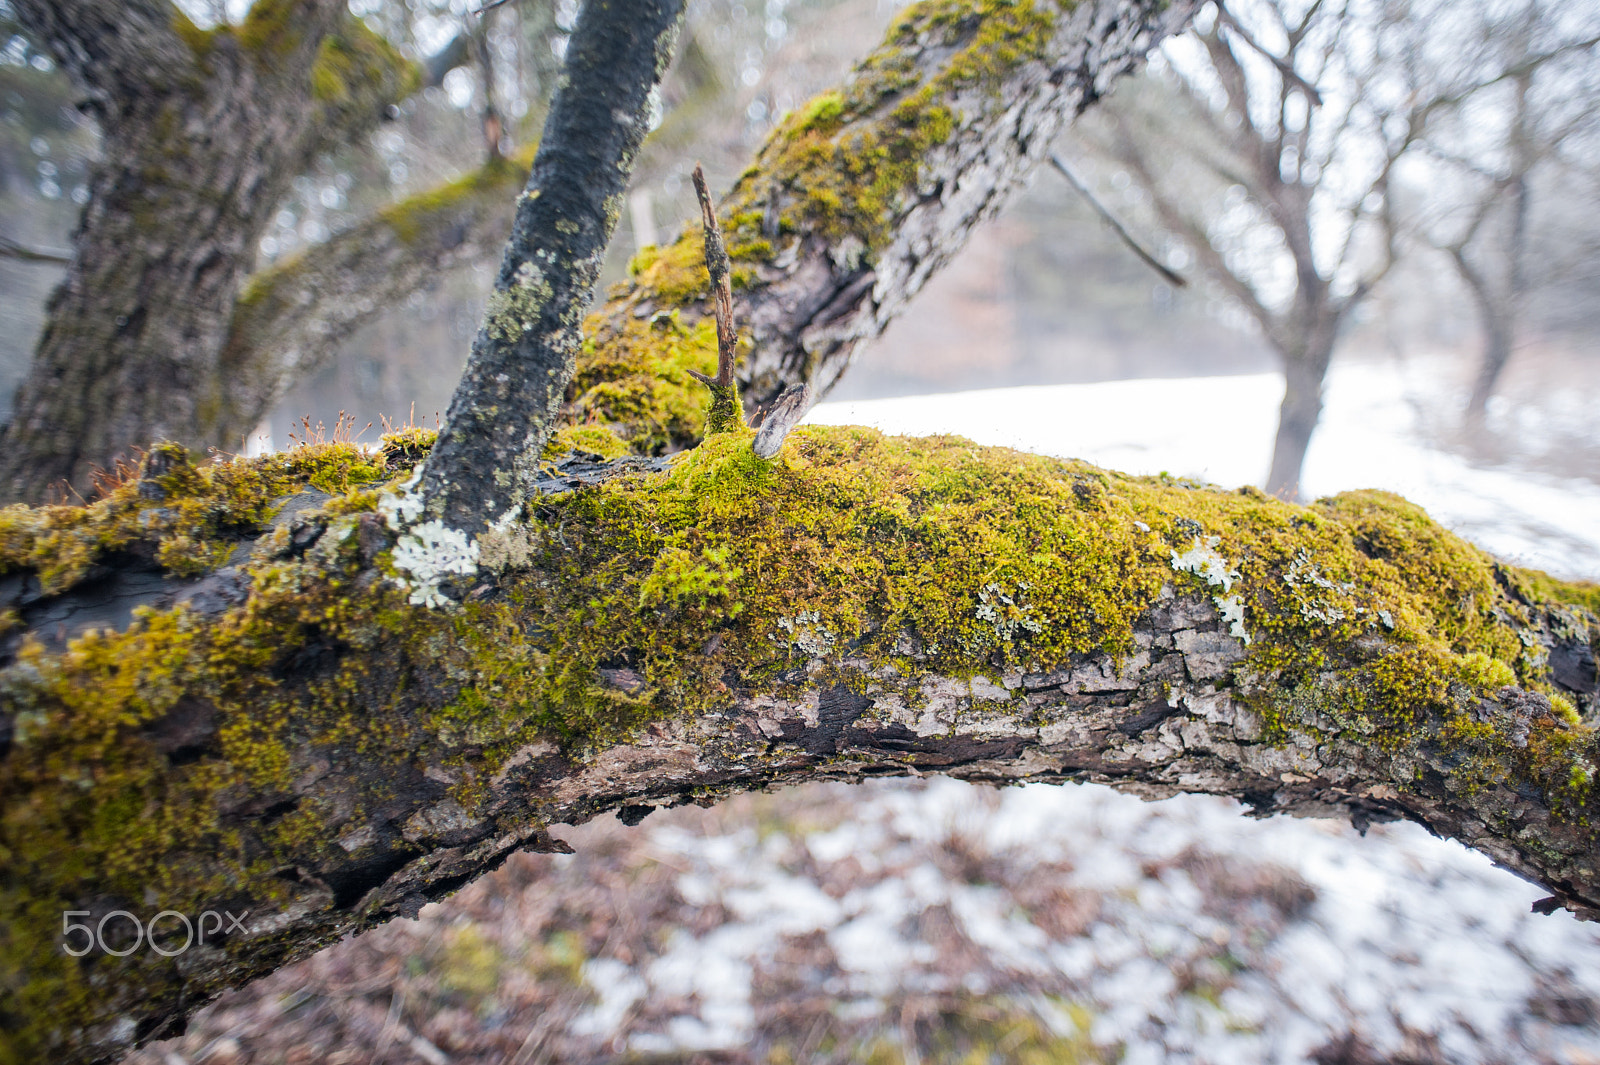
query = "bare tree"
{"x": 1267, "y": 143}
{"x": 1517, "y": 105}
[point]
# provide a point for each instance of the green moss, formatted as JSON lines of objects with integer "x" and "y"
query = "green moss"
{"x": 634, "y": 377}
{"x": 273, "y": 28}
{"x": 200, "y": 41}
{"x": 418, "y": 218}
{"x": 189, "y": 519}
{"x": 639, "y": 597}
{"x": 595, "y": 439}
{"x": 725, "y": 415}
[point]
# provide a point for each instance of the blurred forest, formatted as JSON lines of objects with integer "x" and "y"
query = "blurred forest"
{"x": 1444, "y": 161}
{"x": 1484, "y": 206}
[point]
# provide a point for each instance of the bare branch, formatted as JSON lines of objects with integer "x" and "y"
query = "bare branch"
{"x": 1172, "y": 277}
{"x": 725, "y": 415}
{"x": 14, "y": 249}
{"x": 1285, "y": 67}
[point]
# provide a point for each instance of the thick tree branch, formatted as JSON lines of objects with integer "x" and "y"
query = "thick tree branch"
{"x": 298, "y": 740}
{"x": 292, "y": 316}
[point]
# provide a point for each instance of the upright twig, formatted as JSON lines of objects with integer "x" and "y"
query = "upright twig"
{"x": 726, "y": 414}
{"x": 1172, "y": 277}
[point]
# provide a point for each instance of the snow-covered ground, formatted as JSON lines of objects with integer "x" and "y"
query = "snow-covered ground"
{"x": 1221, "y": 429}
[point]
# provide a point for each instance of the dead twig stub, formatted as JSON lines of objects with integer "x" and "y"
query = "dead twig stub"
{"x": 726, "y": 414}
{"x": 784, "y": 414}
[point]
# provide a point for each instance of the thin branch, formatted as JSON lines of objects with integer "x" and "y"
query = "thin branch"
{"x": 1285, "y": 68}
{"x": 720, "y": 268}
{"x": 1172, "y": 277}
{"x": 725, "y": 413}
{"x": 13, "y": 249}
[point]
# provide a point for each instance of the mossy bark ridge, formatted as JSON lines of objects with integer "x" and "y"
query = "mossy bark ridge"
{"x": 281, "y": 731}
{"x": 488, "y": 454}
{"x": 202, "y": 133}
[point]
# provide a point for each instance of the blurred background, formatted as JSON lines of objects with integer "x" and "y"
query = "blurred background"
{"x": 1397, "y": 201}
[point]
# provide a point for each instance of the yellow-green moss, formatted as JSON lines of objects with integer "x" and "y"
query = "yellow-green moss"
{"x": 633, "y": 374}
{"x": 189, "y": 519}
{"x": 595, "y": 439}
{"x": 1370, "y": 624}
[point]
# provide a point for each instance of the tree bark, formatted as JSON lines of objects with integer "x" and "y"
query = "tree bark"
{"x": 291, "y": 741}
{"x": 501, "y": 414}
{"x": 202, "y": 132}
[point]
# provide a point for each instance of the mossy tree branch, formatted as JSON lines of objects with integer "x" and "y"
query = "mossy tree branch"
{"x": 292, "y": 735}
{"x": 298, "y": 726}
{"x": 856, "y": 200}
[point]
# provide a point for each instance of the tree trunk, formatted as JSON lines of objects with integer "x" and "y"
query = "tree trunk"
{"x": 203, "y": 131}
{"x": 1498, "y": 328}
{"x": 298, "y": 745}
{"x": 1305, "y": 348}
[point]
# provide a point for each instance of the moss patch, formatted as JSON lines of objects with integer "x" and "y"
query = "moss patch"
{"x": 187, "y": 517}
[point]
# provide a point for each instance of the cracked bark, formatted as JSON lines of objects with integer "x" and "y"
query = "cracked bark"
{"x": 202, "y": 132}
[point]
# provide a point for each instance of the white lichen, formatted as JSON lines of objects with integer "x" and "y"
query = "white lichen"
{"x": 1009, "y": 618}
{"x": 430, "y": 553}
{"x": 1203, "y": 561}
{"x": 402, "y": 506}
{"x": 805, "y": 633}
{"x": 1232, "y": 611}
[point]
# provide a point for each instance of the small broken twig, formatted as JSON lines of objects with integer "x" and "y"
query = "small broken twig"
{"x": 15, "y": 249}
{"x": 1172, "y": 277}
{"x": 784, "y": 414}
{"x": 725, "y": 414}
